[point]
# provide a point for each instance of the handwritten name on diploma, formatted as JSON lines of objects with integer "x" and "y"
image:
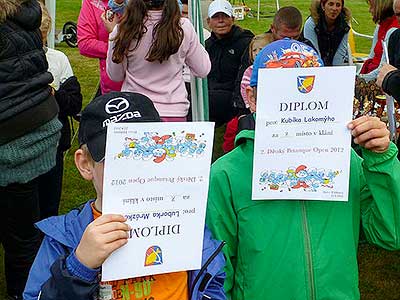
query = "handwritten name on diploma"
{"x": 297, "y": 120}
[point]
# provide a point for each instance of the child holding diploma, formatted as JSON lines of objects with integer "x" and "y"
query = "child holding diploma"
{"x": 68, "y": 264}
{"x": 296, "y": 249}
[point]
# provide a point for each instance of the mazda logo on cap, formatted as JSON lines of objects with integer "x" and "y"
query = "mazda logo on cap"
{"x": 116, "y": 105}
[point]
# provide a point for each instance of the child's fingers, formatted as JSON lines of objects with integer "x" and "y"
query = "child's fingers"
{"x": 109, "y": 218}
{"x": 368, "y": 135}
{"x": 113, "y": 226}
{"x": 116, "y": 245}
{"x": 378, "y": 145}
{"x": 371, "y": 133}
{"x": 356, "y": 122}
{"x": 367, "y": 124}
{"x": 113, "y": 236}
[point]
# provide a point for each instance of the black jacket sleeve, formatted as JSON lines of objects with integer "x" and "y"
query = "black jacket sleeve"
{"x": 69, "y": 97}
{"x": 391, "y": 84}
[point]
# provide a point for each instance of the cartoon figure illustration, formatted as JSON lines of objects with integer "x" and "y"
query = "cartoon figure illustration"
{"x": 290, "y": 178}
{"x": 292, "y": 60}
{"x": 170, "y": 149}
{"x": 138, "y": 152}
{"x": 200, "y": 149}
{"x": 288, "y": 60}
{"x": 183, "y": 148}
{"x": 124, "y": 153}
{"x": 131, "y": 142}
{"x": 328, "y": 178}
{"x": 128, "y": 146}
{"x": 301, "y": 173}
{"x": 192, "y": 148}
{"x": 295, "y": 57}
{"x": 190, "y": 136}
{"x": 161, "y": 140}
{"x": 310, "y": 179}
{"x": 275, "y": 181}
{"x": 295, "y": 178}
{"x": 147, "y": 153}
{"x": 158, "y": 148}
{"x": 159, "y": 155}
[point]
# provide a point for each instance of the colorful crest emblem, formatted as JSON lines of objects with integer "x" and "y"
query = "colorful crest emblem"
{"x": 305, "y": 84}
{"x": 153, "y": 256}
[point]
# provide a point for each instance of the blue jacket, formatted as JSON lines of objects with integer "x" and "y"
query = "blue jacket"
{"x": 57, "y": 274}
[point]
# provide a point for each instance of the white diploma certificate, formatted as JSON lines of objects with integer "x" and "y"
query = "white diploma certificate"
{"x": 157, "y": 176}
{"x": 302, "y": 144}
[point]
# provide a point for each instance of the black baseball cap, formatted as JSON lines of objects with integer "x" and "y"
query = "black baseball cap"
{"x": 114, "y": 107}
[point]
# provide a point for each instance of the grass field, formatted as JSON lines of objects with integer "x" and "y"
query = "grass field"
{"x": 379, "y": 269}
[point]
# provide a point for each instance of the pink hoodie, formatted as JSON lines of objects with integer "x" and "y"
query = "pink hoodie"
{"x": 93, "y": 39}
{"x": 162, "y": 83}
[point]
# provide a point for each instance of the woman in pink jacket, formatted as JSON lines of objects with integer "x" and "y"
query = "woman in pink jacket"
{"x": 93, "y": 39}
{"x": 148, "y": 49}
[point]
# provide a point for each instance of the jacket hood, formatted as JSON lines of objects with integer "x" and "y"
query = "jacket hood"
{"x": 315, "y": 9}
{"x": 244, "y": 136}
{"x": 26, "y": 13}
{"x": 246, "y": 129}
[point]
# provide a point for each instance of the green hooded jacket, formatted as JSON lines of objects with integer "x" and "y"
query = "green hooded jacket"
{"x": 292, "y": 249}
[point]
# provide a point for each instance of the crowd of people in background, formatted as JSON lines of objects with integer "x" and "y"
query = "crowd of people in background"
{"x": 147, "y": 51}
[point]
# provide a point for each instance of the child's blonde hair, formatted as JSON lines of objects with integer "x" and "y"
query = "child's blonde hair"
{"x": 257, "y": 43}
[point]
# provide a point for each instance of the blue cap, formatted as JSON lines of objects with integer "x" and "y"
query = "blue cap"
{"x": 285, "y": 53}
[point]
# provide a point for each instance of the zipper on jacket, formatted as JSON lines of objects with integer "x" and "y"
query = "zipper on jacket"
{"x": 204, "y": 267}
{"x": 307, "y": 249}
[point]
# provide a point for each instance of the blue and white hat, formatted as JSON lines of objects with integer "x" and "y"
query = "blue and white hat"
{"x": 285, "y": 53}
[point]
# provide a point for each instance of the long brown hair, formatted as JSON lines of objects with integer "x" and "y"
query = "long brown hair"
{"x": 167, "y": 33}
{"x": 382, "y": 9}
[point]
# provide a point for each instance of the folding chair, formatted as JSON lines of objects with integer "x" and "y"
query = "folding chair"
{"x": 357, "y": 57}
